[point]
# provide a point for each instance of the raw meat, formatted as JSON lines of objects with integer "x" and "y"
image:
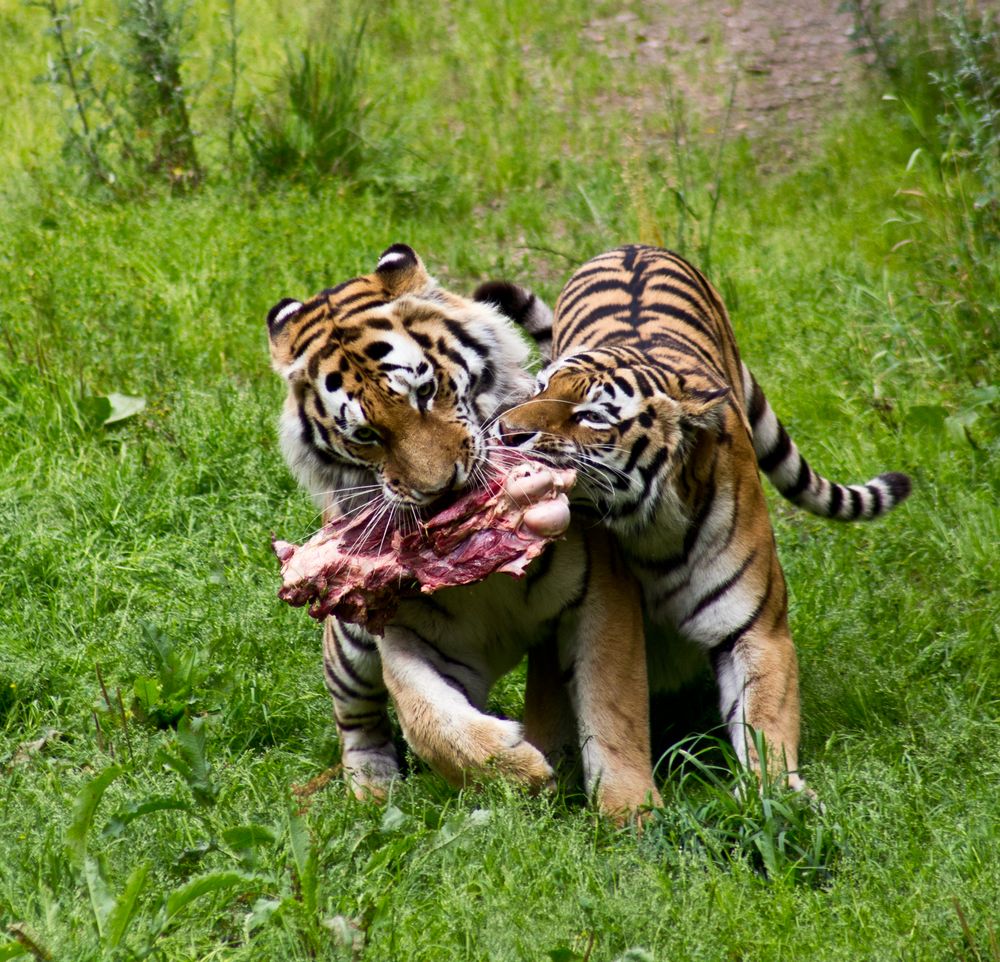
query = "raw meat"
{"x": 360, "y": 575}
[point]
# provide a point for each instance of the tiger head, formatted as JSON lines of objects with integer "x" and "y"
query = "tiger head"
{"x": 623, "y": 430}
{"x": 390, "y": 380}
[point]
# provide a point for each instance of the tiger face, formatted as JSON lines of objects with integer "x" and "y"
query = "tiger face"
{"x": 624, "y": 432}
{"x": 390, "y": 380}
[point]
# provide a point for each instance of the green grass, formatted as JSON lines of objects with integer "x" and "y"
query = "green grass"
{"x": 136, "y": 556}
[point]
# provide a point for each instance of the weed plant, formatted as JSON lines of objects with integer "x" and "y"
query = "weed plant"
{"x": 316, "y": 125}
{"x": 126, "y": 118}
{"x": 164, "y": 731}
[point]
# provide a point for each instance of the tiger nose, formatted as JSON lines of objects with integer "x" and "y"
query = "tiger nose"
{"x": 514, "y": 438}
{"x": 455, "y": 483}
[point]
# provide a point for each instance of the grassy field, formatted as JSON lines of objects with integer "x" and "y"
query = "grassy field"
{"x": 159, "y": 706}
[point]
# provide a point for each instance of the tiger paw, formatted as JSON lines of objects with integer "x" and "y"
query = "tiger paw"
{"x": 497, "y": 746}
{"x": 369, "y": 774}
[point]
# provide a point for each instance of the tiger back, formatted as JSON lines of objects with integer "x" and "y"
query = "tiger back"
{"x": 648, "y": 398}
{"x": 392, "y": 382}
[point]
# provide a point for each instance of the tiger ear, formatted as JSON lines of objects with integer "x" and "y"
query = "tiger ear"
{"x": 402, "y": 271}
{"x": 281, "y": 325}
{"x": 703, "y": 409}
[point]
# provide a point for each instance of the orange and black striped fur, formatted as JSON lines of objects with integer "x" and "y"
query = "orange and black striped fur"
{"x": 392, "y": 385}
{"x": 648, "y": 398}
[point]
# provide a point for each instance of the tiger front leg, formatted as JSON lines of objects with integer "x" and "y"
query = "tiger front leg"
{"x": 759, "y": 692}
{"x": 442, "y": 724}
{"x": 603, "y": 654}
{"x": 352, "y": 670}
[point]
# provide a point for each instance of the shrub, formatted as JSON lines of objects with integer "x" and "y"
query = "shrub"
{"x": 130, "y": 126}
{"x": 314, "y": 126}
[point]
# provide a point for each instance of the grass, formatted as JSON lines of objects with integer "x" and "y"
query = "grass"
{"x": 139, "y": 591}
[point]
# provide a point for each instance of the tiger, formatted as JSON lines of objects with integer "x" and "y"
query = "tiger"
{"x": 392, "y": 382}
{"x": 648, "y": 397}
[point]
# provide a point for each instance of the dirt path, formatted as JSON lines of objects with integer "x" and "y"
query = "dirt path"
{"x": 792, "y": 61}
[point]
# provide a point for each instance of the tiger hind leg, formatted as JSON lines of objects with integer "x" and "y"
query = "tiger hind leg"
{"x": 352, "y": 670}
{"x": 758, "y": 684}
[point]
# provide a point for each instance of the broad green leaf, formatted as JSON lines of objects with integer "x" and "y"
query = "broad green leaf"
{"x": 395, "y": 848}
{"x": 95, "y": 410}
{"x": 244, "y": 840}
{"x": 262, "y": 912}
{"x": 563, "y": 954}
{"x": 927, "y": 415}
{"x": 122, "y": 818}
{"x": 110, "y": 408}
{"x": 125, "y": 906}
{"x": 147, "y": 692}
{"x": 192, "y": 766}
{"x": 394, "y": 820}
{"x": 12, "y": 950}
{"x": 101, "y": 899}
{"x": 83, "y": 817}
{"x": 123, "y": 406}
{"x": 195, "y": 889}
{"x": 305, "y": 857}
{"x": 248, "y": 836}
{"x": 958, "y": 424}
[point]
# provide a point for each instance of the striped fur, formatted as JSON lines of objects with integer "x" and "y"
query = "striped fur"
{"x": 649, "y": 399}
{"x": 392, "y": 382}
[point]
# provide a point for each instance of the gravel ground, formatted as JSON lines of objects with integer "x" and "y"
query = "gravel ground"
{"x": 792, "y": 63}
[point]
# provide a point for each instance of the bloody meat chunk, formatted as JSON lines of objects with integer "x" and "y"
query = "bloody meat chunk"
{"x": 360, "y": 575}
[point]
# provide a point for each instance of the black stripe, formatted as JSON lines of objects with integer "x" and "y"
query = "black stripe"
{"x": 345, "y": 664}
{"x": 445, "y": 658}
{"x": 452, "y": 355}
{"x": 856, "y": 503}
{"x": 358, "y": 717}
{"x": 313, "y": 322}
{"x": 331, "y": 292}
{"x": 686, "y": 346}
{"x": 603, "y": 286}
{"x": 717, "y": 592}
{"x": 624, "y": 386}
{"x": 346, "y": 726}
{"x": 346, "y": 691}
{"x": 692, "y": 533}
{"x": 726, "y": 644}
{"x": 456, "y": 684}
{"x": 778, "y": 453}
{"x": 362, "y": 292}
{"x": 300, "y": 347}
{"x": 836, "y": 500}
{"x": 653, "y": 468}
{"x": 358, "y": 637}
{"x": 638, "y": 449}
{"x": 876, "y": 493}
{"x": 800, "y": 483}
{"x": 758, "y": 404}
{"x": 596, "y": 314}
{"x": 461, "y": 335}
